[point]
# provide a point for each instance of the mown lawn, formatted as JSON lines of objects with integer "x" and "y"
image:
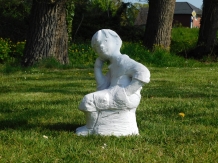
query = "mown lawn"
{"x": 39, "y": 115}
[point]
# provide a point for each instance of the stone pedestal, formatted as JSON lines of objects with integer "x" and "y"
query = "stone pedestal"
{"x": 116, "y": 122}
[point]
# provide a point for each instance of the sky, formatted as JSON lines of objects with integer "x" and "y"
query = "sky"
{"x": 196, "y": 3}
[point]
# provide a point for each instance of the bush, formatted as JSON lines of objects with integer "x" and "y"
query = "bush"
{"x": 81, "y": 55}
{"x": 183, "y": 40}
{"x": 10, "y": 52}
{"x": 159, "y": 57}
{"x": 48, "y": 63}
{"x": 17, "y": 51}
{"x": 5, "y": 49}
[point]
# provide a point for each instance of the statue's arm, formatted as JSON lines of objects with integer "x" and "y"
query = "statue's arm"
{"x": 102, "y": 80}
{"x": 140, "y": 76}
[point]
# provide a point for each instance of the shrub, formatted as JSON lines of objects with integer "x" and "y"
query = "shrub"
{"x": 5, "y": 49}
{"x": 48, "y": 63}
{"x": 81, "y": 55}
{"x": 183, "y": 40}
{"x": 17, "y": 51}
{"x": 159, "y": 57}
{"x": 10, "y": 52}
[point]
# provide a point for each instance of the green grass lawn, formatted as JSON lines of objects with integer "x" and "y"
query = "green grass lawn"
{"x": 39, "y": 114}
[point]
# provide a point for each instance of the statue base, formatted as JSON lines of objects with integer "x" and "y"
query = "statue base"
{"x": 112, "y": 122}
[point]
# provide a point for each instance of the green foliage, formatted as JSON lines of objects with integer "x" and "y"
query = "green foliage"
{"x": 69, "y": 18}
{"x": 17, "y": 51}
{"x": 15, "y": 8}
{"x": 128, "y": 17}
{"x": 5, "y": 49}
{"x": 14, "y": 19}
{"x": 48, "y": 63}
{"x": 51, "y": 63}
{"x": 90, "y": 16}
{"x": 183, "y": 40}
{"x": 104, "y": 5}
{"x": 159, "y": 57}
{"x": 9, "y": 68}
{"x": 10, "y": 52}
{"x": 82, "y": 55}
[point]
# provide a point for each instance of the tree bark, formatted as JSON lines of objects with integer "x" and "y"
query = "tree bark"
{"x": 159, "y": 24}
{"x": 47, "y": 35}
{"x": 207, "y": 40}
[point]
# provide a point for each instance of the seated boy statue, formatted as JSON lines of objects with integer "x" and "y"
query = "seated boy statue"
{"x": 118, "y": 91}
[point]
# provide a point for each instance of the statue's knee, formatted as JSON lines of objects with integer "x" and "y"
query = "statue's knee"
{"x": 87, "y": 103}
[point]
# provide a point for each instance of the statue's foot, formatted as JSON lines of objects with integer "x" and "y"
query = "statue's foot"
{"x": 83, "y": 131}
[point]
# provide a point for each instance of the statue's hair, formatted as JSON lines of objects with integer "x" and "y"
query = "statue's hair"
{"x": 107, "y": 33}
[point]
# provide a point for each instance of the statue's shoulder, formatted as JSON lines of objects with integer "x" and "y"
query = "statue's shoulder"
{"x": 127, "y": 61}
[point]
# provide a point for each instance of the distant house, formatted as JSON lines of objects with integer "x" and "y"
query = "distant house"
{"x": 183, "y": 15}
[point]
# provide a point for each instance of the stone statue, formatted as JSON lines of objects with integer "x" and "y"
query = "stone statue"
{"x": 111, "y": 109}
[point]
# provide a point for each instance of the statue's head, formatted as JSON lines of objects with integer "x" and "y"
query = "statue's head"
{"x": 106, "y": 43}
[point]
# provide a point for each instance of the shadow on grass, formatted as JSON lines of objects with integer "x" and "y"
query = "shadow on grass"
{"x": 23, "y": 124}
{"x": 13, "y": 124}
{"x": 64, "y": 88}
{"x": 28, "y": 119}
{"x": 62, "y": 127}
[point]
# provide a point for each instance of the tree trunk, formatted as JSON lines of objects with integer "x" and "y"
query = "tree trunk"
{"x": 159, "y": 24}
{"x": 47, "y": 35}
{"x": 207, "y": 40}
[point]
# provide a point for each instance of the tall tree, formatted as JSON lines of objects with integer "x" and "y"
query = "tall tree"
{"x": 47, "y": 35}
{"x": 159, "y": 23}
{"x": 207, "y": 39}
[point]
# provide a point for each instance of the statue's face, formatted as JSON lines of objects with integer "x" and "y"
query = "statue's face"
{"x": 105, "y": 46}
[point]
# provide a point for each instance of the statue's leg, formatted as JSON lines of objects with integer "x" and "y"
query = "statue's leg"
{"x": 91, "y": 118}
{"x": 90, "y": 106}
